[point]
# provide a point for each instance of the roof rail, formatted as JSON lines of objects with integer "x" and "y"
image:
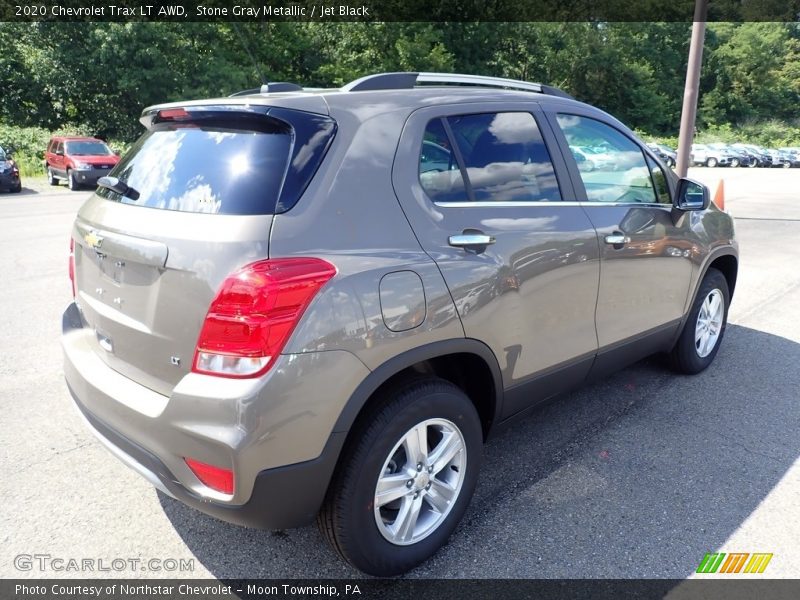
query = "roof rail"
{"x": 408, "y": 80}
{"x": 268, "y": 88}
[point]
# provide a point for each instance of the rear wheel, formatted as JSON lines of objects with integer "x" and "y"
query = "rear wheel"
{"x": 753, "y": 163}
{"x": 711, "y": 162}
{"x": 51, "y": 177}
{"x": 405, "y": 481}
{"x": 702, "y": 334}
{"x": 17, "y": 188}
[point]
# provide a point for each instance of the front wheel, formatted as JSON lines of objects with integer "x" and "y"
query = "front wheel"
{"x": 711, "y": 162}
{"x": 72, "y": 184}
{"x": 406, "y": 478}
{"x": 753, "y": 163}
{"x": 702, "y": 334}
{"x": 734, "y": 162}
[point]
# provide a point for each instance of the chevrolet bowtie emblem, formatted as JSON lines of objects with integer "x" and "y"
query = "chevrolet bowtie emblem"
{"x": 94, "y": 240}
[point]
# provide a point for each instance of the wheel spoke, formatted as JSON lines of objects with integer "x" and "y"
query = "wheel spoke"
{"x": 708, "y": 342}
{"x": 698, "y": 336}
{"x": 390, "y": 488}
{"x": 714, "y": 307}
{"x": 403, "y": 527}
{"x": 447, "y": 448}
{"x": 440, "y": 495}
{"x": 416, "y": 444}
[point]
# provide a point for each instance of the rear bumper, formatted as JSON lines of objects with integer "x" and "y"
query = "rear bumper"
{"x": 282, "y": 498}
{"x": 281, "y": 447}
{"x": 8, "y": 180}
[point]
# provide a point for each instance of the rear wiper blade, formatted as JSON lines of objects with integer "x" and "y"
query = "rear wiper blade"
{"x": 120, "y": 187}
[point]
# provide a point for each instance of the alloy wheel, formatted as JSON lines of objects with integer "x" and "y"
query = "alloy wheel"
{"x": 709, "y": 323}
{"x": 420, "y": 481}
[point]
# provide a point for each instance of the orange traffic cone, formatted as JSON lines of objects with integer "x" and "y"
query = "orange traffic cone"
{"x": 719, "y": 195}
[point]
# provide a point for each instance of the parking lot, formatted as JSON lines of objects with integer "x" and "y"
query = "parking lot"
{"x": 635, "y": 477}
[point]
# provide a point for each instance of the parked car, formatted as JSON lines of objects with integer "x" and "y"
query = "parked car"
{"x": 9, "y": 172}
{"x": 705, "y": 155}
{"x": 665, "y": 153}
{"x": 316, "y": 323}
{"x": 590, "y": 159}
{"x": 792, "y": 155}
{"x": 780, "y": 159}
{"x": 739, "y": 158}
{"x": 763, "y": 158}
{"x": 80, "y": 161}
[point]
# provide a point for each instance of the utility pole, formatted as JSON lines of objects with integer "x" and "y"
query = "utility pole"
{"x": 690, "y": 92}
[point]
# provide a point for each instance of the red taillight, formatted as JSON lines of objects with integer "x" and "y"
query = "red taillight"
{"x": 72, "y": 264}
{"x": 253, "y": 314}
{"x": 216, "y": 478}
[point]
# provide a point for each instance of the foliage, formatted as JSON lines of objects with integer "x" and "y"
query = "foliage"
{"x": 97, "y": 77}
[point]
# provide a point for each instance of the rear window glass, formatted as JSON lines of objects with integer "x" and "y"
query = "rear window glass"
{"x": 206, "y": 169}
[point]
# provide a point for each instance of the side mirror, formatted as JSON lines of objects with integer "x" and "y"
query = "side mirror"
{"x": 691, "y": 195}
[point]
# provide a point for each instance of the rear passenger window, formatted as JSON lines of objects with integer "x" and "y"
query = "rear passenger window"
{"x": 502, "y": 156}
{"x": 439, "y": 173}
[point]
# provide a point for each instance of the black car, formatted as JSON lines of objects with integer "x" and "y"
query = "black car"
{"x": 9, "y": 172}
{"x": 665, "y": 153}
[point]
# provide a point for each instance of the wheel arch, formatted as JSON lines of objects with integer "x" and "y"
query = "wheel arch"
{"x": 725, "y": 260}
{"x": 465, "y": 362}
{"x": 728, "y": 265}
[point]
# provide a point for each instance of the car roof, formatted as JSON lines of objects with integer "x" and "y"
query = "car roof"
{"x": 323, "y": 101}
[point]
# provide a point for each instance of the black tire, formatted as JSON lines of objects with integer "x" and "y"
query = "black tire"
{"x": 17, "y": 188}
{"x": 684, "y": 356}
{"x": 753, "y": 163}
{"x": 348, "y": 520}
{"x": 71, "y": 183}
{"x": 711, "y": 162}
{"x": 734, "y": 162}
{"x": 51, "y": 178}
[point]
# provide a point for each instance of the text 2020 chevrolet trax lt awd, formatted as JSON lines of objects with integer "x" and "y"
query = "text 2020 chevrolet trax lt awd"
{"x": 293, "y": 304}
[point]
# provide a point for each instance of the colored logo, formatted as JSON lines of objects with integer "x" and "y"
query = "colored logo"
{"x": 734, "y": 562}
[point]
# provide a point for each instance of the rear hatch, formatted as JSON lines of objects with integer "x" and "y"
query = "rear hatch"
{"x": 193, "y": 201}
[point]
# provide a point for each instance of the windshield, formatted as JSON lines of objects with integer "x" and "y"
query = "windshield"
{"x": 88, "y": 148}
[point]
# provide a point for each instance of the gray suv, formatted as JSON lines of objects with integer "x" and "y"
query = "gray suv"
{"x": 295, "y": 304}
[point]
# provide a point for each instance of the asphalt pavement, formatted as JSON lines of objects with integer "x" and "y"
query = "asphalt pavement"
{"x": 637, "y": 476}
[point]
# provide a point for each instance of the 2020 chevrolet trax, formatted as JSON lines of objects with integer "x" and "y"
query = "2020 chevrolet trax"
{"x": 294, "y": 304}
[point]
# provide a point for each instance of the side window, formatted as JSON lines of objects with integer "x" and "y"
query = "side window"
{"x": 660, "y": 182}
{"x": 439, "y": 174}
{"x": 504, "y": 160}
{"x": 615, "y": 169}
{"x": 59, "y": 147}
{"x": 505, "y": 157}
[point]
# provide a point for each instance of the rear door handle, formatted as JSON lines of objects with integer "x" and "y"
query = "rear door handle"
{"x": 617, "y": 239}
{"x": 470, "y": 240}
